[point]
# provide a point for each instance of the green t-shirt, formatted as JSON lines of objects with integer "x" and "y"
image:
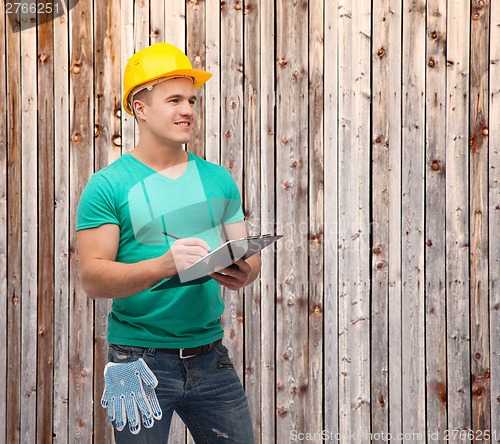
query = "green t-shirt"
{"x": 143, "y": 203}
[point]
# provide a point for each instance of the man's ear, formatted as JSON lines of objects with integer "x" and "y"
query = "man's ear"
{"x": 138, "y": 109}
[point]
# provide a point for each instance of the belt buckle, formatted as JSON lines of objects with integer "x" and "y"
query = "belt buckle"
{"x": 181, "y": 354}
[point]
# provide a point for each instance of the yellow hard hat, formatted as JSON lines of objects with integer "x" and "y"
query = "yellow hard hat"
{"x": 155, "y": 63}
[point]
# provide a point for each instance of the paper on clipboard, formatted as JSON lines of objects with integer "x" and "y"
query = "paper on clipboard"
{"x": 218, "y": 259}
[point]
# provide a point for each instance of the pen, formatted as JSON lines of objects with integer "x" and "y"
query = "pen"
{"x": 173, "y": 236}
{"x": 170, "y": 235}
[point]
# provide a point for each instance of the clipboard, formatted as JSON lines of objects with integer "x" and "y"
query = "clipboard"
{"x": 218, "y": 259}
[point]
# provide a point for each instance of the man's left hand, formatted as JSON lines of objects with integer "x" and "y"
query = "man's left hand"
{"x": 235, "y": 276}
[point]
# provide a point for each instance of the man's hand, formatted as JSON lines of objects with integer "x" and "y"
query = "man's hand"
{"x": 235, "y": 276}
{"x": 185, "y": 252}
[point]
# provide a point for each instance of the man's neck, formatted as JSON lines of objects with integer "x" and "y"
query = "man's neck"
{"x": 158, "y": 157}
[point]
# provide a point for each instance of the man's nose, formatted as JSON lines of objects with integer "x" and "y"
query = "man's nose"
{"x": 187, "y": 108}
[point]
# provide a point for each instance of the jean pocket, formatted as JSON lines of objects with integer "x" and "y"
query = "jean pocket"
{"x": 223, "y": 359}
{"x": 124, "y": 353}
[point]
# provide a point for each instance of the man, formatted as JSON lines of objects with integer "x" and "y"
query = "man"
{"x": 146, "y": 217}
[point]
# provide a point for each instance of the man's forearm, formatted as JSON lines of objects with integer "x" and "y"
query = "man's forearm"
{"x": 254, "y": 262}
{"x": 108, "y": 279}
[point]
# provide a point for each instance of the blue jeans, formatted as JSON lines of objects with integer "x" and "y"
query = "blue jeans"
{"x": 204, "y": 390}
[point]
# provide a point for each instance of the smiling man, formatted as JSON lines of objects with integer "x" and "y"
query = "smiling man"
{"x": 165, "y": 349}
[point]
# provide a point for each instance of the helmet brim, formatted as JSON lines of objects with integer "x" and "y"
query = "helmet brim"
{"x": 198, "y": 75}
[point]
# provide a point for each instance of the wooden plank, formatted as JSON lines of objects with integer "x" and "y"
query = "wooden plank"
{"x": 61, "y": 233}
{"x": 395, "y": 18}
{"x": 292, "y": 366}
{"x": 175, "y": 23}
{"x": 213, "y": 86}
{"x": 268, "y": 222}
{"x": 316, "y": 215}
{"x": 14, "y": 261}
{"x": 81, "y": 167}
{"x": 330, "y": 332}
{"x": 157, "y": 20}
{"x": 195, "y": 50}
{"x": 494, "y": 217}
{"x": 232, "y": 154}
{"x": 196, "y": 44}
{"x": 29, "y": 247}
{"x": 354, "y": 226}
{"x": 413, "y": 300}
{"x": 251, "y": 197}
{"x": 478, "y": 215}
{"x": 457, "y": 202}
{"x": 45, "y": 124}
{"x": 435, "y": 227}
{"x": 386, "y": 121}
{"x": 107, "y": 149}
{"x": 4, "y": 298}
{"x": 141, "y": 38}
{"x": 126, "y": 50}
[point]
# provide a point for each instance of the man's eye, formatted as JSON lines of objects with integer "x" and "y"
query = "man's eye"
{"x": 192, "y": 102}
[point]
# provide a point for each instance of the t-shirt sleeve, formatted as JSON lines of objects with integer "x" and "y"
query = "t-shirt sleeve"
{"x": 97, "y": 204}
{"x": 233, "y": 211}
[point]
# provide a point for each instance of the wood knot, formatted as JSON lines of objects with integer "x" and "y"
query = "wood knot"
{"x": 197, "y": 59}
{"x": 239, "y": 68}
{"x": 485, "y": 132}
{"x": 116, "y": 140}
{"x": 435, "y": 165}
{"x": 76, "y": 68}
{"x": 43, "y": 57}
{"x": 380, "y": 265}
{"x": 377, "y": 249}
{"x": 378, "y": 139}
{"x": 381, "y": 52}
{"x": 97, "y": 130}
{"x": 287, "y": 184}
{"x": 294, "y": 163}
{"x": 234, "y": 105}
{"x": 227, "y": 135}
{"x": 238, "y": 6}
{"x": 381, "y": 400}
{"x": 434, "y": 35}
{"x": 155, "y": 33}
{"x": 76, "y": 137}
{"x": 317, "y": 310}
{"x": 282, "y": 412}
{"x": 282, "y": 62}
{"x": 429, "y": 243}
{"x": 475, "y": 16}
{"x": 431, "y": 63}
{"x": 295, "y": 74}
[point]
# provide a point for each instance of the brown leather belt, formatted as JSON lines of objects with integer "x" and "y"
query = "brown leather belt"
{"x": 185, "y": 353}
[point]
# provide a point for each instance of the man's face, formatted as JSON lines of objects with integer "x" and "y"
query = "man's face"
{"x": 169, "y": 111}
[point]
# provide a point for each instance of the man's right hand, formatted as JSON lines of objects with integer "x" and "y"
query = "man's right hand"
{"x": 102, "y": 277}
{"x": 185, "y": 252}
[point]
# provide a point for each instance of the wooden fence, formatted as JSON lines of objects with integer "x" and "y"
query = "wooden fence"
{"x": 367, "y": 133}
